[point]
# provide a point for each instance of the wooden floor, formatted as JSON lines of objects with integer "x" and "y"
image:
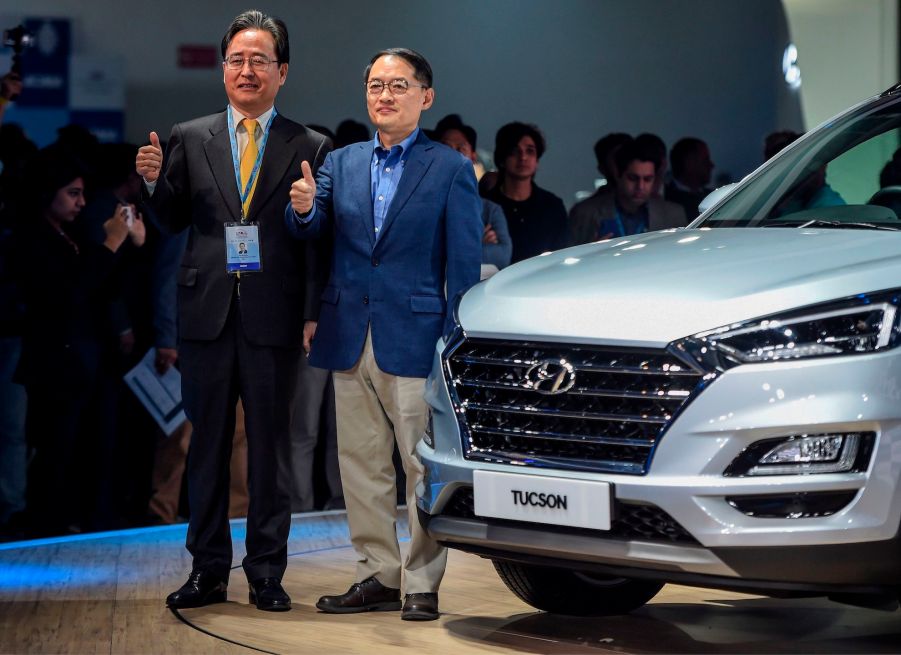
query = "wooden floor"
{"x": 104, "y": 594}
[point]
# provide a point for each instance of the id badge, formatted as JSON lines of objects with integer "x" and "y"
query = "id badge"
{"x": 242, "y": 248}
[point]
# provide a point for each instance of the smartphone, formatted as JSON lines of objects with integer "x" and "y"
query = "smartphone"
{"x": 129, "y": 212}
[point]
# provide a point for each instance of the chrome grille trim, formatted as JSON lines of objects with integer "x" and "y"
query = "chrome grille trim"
{"x": 562, "y": 436}
{"x": 493, "y": 361}
{"x": 611, "y": 418}
{"x": 603, "y": 393}
{"x": 531, "y": 411}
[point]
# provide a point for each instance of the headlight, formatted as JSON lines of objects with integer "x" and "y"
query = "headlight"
{"x": 861, "y": 324}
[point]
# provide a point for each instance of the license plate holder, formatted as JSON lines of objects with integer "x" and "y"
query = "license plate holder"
{"x": 543, "y": 499}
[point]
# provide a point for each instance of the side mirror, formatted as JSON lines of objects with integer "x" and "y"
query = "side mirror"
{"x": 715, "y": 196}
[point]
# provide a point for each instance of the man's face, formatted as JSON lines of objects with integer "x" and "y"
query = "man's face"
{"x": 456, "y": 140}
{"x": 634, "y": 186}
{"x": 699, "y": 166}
{"x": 252, "y": 90}
{"x": 522, "y": 162}
{"x": 68, "y": 202}
{"x": 396, "y": 116}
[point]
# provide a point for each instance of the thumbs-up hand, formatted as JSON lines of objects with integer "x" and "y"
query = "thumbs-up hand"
{"x": 149, "y": 161}
{"x": 303, "y": 190}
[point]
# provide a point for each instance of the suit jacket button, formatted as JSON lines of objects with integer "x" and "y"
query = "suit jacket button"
{"x": 375, "y": 261}
{"x": 365, "y": 300}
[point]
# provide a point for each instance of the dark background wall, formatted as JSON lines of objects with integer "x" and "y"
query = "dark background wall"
{"x": 577, "y": 68}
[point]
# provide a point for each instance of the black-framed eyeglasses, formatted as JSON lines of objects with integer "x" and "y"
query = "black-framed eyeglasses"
{"x": 397, "y": 87}
{"x": 257, "y": 62}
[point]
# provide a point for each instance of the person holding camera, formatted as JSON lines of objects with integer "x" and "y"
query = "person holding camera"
{"x": 63, "y": 279}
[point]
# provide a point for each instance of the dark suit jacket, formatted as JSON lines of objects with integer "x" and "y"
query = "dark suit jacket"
{"x": 198, "y": 191}
{"x": 431, "y": 237}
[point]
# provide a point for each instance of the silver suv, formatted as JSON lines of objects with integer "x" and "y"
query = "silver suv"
{"x": 717, "y": 406}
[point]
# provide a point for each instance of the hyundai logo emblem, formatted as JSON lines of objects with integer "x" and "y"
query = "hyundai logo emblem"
{"x": 550, "y": 376}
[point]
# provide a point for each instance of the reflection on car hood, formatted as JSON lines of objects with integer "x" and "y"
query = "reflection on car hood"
{"x": 650, "y": 289}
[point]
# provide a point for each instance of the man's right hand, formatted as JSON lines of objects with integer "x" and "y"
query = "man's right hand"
{"x": 165, "y": 358}
{"x": 149, "y": 161}
{"x": 303, "y": 191}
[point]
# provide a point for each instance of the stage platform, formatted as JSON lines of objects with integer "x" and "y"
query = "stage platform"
{"x": 105, "y": 593}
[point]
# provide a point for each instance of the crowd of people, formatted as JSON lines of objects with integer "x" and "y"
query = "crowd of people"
{"x": 86, "y": 293}
{"x": 110, "y": 250}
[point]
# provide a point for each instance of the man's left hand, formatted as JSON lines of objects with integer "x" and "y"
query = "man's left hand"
{"x": 309, "y": 329}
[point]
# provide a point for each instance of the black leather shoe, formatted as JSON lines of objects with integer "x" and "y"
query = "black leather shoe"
{"x": 267, "y": 594}
{"x": 367, "y": 596}
{"x": 202, "y": 588}
{"x": 420, "y": 607}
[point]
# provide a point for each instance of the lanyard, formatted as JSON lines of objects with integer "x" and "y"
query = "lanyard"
{"x": 236, "y": 160}
{"x": 642, "y": 227}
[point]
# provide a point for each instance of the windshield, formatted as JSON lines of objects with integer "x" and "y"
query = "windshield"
{"x": 841, "y": 175}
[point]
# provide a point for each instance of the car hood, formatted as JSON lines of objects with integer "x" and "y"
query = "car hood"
{"x": 650, "y": 289}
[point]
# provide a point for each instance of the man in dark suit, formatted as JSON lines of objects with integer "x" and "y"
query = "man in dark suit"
{"x": 226, "y": 177}
{"x": 406, "y": 220}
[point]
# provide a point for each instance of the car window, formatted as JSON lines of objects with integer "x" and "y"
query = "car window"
{"x": 830, "y": 177}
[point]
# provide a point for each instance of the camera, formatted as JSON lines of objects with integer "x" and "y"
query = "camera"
{"x": 17, "y": 38}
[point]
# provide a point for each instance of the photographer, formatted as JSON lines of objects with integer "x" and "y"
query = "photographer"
{"x": 63, "y": 279}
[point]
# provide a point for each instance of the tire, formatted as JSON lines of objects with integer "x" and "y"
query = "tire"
{"x": 576, "y": 593}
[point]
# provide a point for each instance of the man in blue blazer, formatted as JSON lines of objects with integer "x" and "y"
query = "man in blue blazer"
{"x": 406, "y": 220}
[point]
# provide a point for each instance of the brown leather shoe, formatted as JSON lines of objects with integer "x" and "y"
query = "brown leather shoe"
{"x": 420, "y": 607}
{"x": 367, "y": 596}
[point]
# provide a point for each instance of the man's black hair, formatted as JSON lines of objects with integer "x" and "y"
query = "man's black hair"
{"x": 509, "y": 136}
{"x": 635, "y": 150}
{"x": 681, "y": 151}
{"x": 421, "y": 69}
{"x": 254, "y": 19}
{"x": 454, "y": 122}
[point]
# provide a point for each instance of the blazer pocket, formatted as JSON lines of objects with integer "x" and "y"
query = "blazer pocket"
{"x": 330, "y": 295}
{"x": 187, "y": 277}
{"x": 427, "y": 304}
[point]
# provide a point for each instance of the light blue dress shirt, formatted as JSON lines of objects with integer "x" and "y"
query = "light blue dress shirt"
{"x": 386, "y": 169}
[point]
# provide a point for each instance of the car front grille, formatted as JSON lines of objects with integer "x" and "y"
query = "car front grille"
{"x": 630, "y": 521}
{"x": 566, "y": 406}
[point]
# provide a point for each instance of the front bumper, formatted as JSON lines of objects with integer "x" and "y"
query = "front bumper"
{"x": 856, "y": 546}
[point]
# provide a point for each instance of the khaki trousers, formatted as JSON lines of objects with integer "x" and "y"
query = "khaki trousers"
{"x": 375, "y": 409}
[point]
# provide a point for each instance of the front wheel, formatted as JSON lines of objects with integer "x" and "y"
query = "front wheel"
{"x": 577, "y": 593}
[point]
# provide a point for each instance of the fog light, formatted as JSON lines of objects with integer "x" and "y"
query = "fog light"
{"x": 428, "y": 436}
{"x": 804, "y": 454}
{"x": 793, "y": 506}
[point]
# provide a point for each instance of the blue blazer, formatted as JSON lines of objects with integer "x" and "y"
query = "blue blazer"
{"x": 430, "y": 241}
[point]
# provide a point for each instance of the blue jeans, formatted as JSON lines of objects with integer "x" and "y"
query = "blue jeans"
{"x": 12, "y": 431}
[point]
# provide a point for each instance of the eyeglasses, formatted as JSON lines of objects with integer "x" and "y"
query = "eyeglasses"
{"x": 397, "y": 87}
{"x": 257, "y": 62}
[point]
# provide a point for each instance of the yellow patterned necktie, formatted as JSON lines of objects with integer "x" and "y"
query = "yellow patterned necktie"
{"x": 248, "y": 159}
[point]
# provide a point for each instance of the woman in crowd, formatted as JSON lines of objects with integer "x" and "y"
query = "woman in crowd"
{"x": 63, "y": 279}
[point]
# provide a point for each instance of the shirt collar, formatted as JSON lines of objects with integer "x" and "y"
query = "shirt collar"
{"x": 404, "y": 145}
{"x": 262, "y": 119}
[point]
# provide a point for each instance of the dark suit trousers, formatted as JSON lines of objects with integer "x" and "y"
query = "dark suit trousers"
{"x": 214, "y": 374}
